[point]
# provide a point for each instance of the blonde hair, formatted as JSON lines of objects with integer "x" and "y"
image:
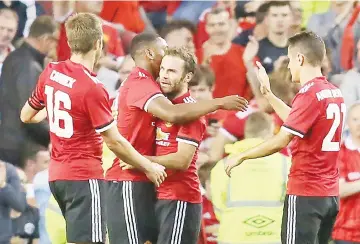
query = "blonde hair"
{"x": 82, "y": 31}
{"x": 184, "y": 54}
{"x": 258, "y": 125}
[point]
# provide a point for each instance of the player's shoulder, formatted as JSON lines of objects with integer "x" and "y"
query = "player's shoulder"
{"x": 138, "y": 77}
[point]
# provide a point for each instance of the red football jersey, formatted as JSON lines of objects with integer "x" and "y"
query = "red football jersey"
{"x": 316, "y": 119}
{"x": 180, "y": 185}
{"x": 347, "y": 225}
{"x": 78, "y": 109}
{"x": 134, "y": 122}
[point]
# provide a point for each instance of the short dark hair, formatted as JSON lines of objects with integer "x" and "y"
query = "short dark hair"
{"x": 278, "y": 4}
{"x": 42, "y": 25}
{"x": 203, "y": 73}
{"x": 140, "y": 41}
{"x": 262, "y": 12}
{"x": 185, "y": 55}
{"x": 177, "y": 25}
{"x": 310, "y": 45}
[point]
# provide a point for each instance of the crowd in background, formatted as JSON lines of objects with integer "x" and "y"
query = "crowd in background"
{"x": 227, "y": 38}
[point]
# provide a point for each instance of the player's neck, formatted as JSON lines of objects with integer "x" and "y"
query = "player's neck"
{"x": 145, "y": 66}
{"x": 309, "y": 73}
{"x": 178, "y": 94}
{"x": 278, "y": 40}
{"x": 85, "y": 60}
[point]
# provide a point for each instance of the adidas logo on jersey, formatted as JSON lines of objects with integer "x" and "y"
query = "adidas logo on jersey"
{"x": 189, "y": 100}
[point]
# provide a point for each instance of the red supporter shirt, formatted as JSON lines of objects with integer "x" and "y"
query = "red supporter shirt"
{"x": 78, "y": 110}
{"x": 316, "y": 119}
{"x": 112, "y": 42}
{"x": 180, "y": 185}
{"x": 347, "y": 225}
{"x": 230, "y": 72}
{"x": 134, "y": 122}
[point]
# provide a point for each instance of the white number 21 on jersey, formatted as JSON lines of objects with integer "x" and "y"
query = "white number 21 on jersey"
{"x": 56, "y": 115}
{"x": 333, "y": 112}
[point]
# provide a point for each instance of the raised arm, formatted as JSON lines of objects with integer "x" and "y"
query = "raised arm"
{"x": 162, "y": 108}
{"x": 278, "y": 105}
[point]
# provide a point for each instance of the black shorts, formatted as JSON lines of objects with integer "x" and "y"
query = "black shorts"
{"x": 82, "y": 205}
{"x": 308, "y": 220}
{"x": 179, "y": 222}
{"x": 131, "y": 212}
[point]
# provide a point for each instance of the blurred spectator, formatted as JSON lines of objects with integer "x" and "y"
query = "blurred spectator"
{"x": 8, "y": 26}
{"x": 331, "y": 26}
{"x": 159, "y": 12}
{"x": 201, "y": 87}
{"x": 233, "y": 127}
{"x": 259, "y": 31}
{"x": 19, "y": 76}
{"x": 191, "y": 10}
{"x": 27, "y": 10}
{"x": 42, "y": 194}
{"x": 313, "y": 7}
{"x": 219, "y": 53}
{"x": 201, "y": 33}
{"x": 350, "y": 85}
{"x": 210, "y": 221}
{"x": 235, "y": 202}
{"x": 271, "y": 48}
{"x": 322, "y": 23}
{"x": 347, "y": 225}
{"x": 113, "y": 48}
{"x": 128, "y": 13}
{"x": 12, "y": 196}
{"x": 25, "y": 225}
{"x": 179, "y": 33}
{"x": 297, "y": 18}
{"x": 36, "y": 159}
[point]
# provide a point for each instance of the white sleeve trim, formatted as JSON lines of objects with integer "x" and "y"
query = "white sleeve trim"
{"x": 105, "y": 128}
{"x": 151, "y": 99}
{"x": 292, "y": 131}
{"x": 228, "y": 134}
{"x": 187, "y": 142}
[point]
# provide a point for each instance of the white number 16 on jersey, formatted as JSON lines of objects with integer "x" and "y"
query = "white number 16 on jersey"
{"x": 56, "y": 115}
{"x": 333, "y": 112}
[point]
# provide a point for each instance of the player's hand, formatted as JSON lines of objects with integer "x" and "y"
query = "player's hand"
{"x": 156, "y": 174}
{"x": 231, "y": 163}
{"x": 251, "y": 50}
{"x": 125, "y": 166}
{"x": 233, "y": 102}
{"x": 263, "y": 79}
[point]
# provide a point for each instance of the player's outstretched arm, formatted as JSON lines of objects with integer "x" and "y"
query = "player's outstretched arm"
{"x": 30, "y": 115}
{"x": 162, "y": 108}
{"x": 127, "y": 153}
{"x": 273, "y": 145}
{"x": 278, "y": 105}
{"x": 180, "y": 160}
